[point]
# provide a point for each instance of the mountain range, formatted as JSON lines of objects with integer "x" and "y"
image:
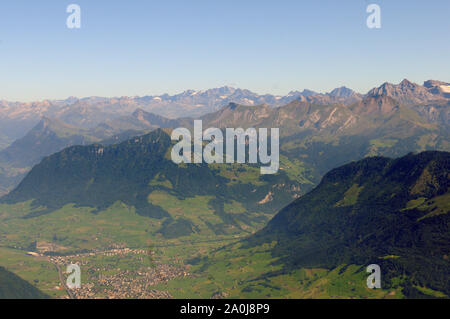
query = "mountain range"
{"x": 17, "y": 118}
{"x": 377, "y": 122}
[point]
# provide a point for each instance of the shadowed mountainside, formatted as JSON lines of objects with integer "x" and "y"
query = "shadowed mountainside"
{"x": 392, "y": 212}
{"x": 14, "y": 287}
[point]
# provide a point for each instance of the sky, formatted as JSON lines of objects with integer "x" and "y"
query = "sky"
{"x": 134, "y": 47}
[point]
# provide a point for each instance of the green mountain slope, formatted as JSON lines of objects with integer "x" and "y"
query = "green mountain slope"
{"x": 140, "y": 174}
{"x": 14, "y": 287}
{"x": 390, "y": 212}
{"x": 366, "y": 211}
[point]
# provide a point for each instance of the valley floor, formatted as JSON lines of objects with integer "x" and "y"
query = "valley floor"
{"x": 165, "y": 272}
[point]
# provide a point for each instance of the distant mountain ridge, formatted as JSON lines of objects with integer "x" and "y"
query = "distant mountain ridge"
{"x": 47, "y": 137}
{"x": 91, "y": 111}
{"x": 17, "y": 118}
{"x": 407, "y": 92}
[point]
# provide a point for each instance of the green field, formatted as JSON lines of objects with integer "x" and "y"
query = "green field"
{"x": 254, "y": 273}
{"x": 37, "y": 271}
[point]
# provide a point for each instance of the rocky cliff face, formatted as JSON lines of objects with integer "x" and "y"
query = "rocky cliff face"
{"x": 407, "y": 92}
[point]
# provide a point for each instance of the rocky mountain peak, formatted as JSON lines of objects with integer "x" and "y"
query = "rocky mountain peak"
{"x": 342, "y": 92}
{"x": 406, "y": 92}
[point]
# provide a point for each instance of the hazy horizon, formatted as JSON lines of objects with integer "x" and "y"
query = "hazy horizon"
{"x": 211, "y": 88}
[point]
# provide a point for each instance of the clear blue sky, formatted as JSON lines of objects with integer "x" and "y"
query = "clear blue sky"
{"x": 152, "y": 47}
